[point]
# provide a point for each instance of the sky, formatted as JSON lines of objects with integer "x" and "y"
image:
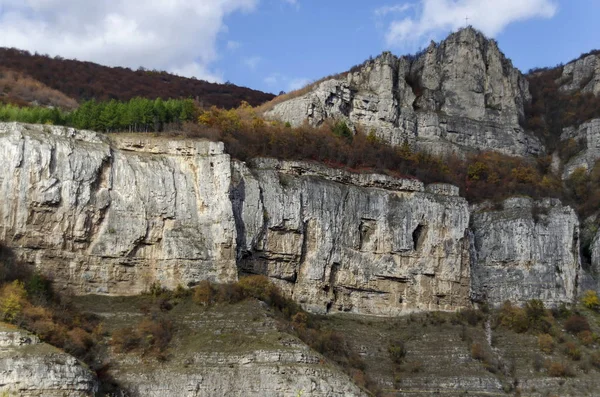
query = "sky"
{"x": 281, "y": 45}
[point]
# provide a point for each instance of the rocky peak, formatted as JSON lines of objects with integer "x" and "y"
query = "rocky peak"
{"x": 582, "y": 74}
{"x": 459, "y": 95}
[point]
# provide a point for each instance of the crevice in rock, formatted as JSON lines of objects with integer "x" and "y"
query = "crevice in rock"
{"x": 418, "y": 236}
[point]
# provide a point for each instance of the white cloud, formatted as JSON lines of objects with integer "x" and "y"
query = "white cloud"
{"x": 252, "y": 62}
{"x": 490, "y": 16}
{"x": 272, "y": 80}
{"x": 297, "y": 83}
{"x": 397, "y": 9}
{"x": 233, "y": 45}
{"x": 174, "y": 35}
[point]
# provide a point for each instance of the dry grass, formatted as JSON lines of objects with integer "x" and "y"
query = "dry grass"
{"x": 20, "y": 89}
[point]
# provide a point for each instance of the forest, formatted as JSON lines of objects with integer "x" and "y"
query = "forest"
{"x": 135, "y": 115}
{"x": 85, "y": 81}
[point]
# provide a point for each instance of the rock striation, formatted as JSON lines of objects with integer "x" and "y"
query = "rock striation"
{"x": 581, "y": 75}
{"x": 459, "y": 95}
{"x": 526, "y": 250}
{"x": 337, "y": 241}
{"x": 114, "y": 215}
{"x": 30, "y": 368}
{"x": 588, "y": 135}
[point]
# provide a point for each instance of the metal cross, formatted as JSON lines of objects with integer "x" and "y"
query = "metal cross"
{"x": 467, "y": 20}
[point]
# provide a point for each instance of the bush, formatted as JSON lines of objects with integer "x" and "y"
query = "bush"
{"x": 573, "y": 351}
{"x": 576, "y": 324}
{"x": 513, "y": 317}
{"x": 152, "y": 335}
{"x": 477, "y": 352}
{"x": 397, "y": 351}
{"x": 558, "y": 370}
{"x": 204, "y": 293}
{"x": 590, "y": 300}
{"x": 586, "y": 337}
{"x": 470, "y": 316}
{"x": 546, "y": 343}
{"x": 12, "y": 299}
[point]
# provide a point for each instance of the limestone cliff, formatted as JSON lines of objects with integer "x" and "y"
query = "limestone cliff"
{"x": 527, "y": 250}
{"x": 588, "y": 134}
{"x": 461, "y": 94}
{"x": 114, "y": 215}
{"x": 102, "y": 217}
{"x": 30, "y": 368}
{"x": 344, "y": 242}
{"x": 582, "y": 75}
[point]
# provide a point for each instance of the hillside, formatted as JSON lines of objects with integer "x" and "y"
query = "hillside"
{"x": 420, "y": 225}
{"x": 87, "y": 80}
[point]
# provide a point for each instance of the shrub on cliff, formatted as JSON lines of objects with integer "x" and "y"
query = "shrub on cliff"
{"x": 576, "y": 324}
{"x": 590, "y": 300}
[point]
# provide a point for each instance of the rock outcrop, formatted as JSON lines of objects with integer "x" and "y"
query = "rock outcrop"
{"x": 582, "y": 75}
{"x": 115, "y": 215}
{"x": 30, "y": 368}
{"x": 461, "y": 94}
{"x": 344, "y": 242}
{"x": 588, "y": 136}
{"x": 527, "y": 250}
{"x": 102, "y": 217}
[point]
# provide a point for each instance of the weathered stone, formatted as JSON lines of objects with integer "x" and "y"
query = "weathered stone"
{"x": 581, "y": 75}
{"x": 375, "y": 245}
{"x": 113, "y": 216}
{"x": 30, "y": 368}
{"x": 527, "y": 250}
{"x": 114, "y": 219}
{"x": 588, "y": 135}
{"x": 462, "y": 94}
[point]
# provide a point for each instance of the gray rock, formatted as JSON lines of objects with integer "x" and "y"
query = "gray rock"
{"x": 337, "y": 241}
{"x": 102, "y": 217}
{"x": 589, "y": 135}
{"x": 460, "y": 95}
{"x": 527, "y": 250}
{"x": 581, "y": 75}
{"x": 113, "y": 216}
{"x": 31, "y": 368}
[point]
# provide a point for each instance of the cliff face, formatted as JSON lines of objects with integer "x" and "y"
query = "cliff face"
{"x": 589, "y": 136}
{"x": 345, "y": 242}
{"x": 461, "y": 94}
{"x": 114, "y": 216}
{"x": 113, "y": 219}
{"x": 31, "y": 368}
{"x": 582, "y": 74}
{"x": 527, "y": 250}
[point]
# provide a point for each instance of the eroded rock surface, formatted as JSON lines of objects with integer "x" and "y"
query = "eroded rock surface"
{"x": 113, "y": 216}
{"x": 338, "y": 241}
{"x": 102, "y": 217}
{"x": 30, "y": 368}
{"x": 581, "y": 75}
{"x": 459, "y": 95}
{"x": 526, "y": 250}
{"x": 588, "y": 136}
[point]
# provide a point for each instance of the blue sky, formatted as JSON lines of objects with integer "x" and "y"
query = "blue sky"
{"x": 279, "y": 45}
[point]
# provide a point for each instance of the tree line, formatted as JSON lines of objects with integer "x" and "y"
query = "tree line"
{"x": 135, "y": 115}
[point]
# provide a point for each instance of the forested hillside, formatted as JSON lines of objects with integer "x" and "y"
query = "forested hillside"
{"x": 85, "y": 80}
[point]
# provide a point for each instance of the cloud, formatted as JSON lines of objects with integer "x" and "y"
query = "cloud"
{"x": 297, "y": 83}
{"x": 233, "y": 45}
{"x": 175, "y": 35}
{"x": 397, "y": 9}
{"x": 278, "y": 81}
{"x": 252, "y": 62}
{"x": 433, "y": 17}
